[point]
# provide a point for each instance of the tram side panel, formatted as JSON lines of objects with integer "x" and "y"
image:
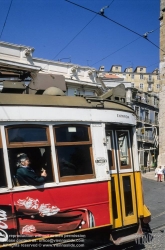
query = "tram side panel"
{"x": 62, "y": 209}
{"x": 8, "y": 226}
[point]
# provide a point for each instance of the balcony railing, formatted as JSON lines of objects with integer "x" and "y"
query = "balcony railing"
{"x": 139, "y": 118}
{"x": 150, "y": 80}
{"x": 145, "y": 138}
{"x": 146, "y": 120}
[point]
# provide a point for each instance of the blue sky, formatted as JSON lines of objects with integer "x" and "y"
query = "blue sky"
{"x": 52, "y": 27}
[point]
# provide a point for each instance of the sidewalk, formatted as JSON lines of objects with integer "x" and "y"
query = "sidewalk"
{"x": 151, "y": 175}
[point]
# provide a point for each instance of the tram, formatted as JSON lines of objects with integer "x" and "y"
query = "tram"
{"x": 88, "y": 147}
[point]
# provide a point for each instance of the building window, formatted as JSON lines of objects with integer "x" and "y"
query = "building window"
{"x": 156, "y": 117}
{"x": 116, "y": 67}
{"x": 141, "y": 85}
{"x": 33, "y": 141}
{"x": 137, "y": 110}
{"x": 150, "y": 77}
{"x": 141, "y": 76}
{"x": 74, "y": 152}
{"x": 132, "y": 76}
{"x": 146, "y": 115}
{"x": 158, "y": 77}
{"x": 133, "y": 85}
{"x": 141, "y": 69}
{"x": 158, "y": 86}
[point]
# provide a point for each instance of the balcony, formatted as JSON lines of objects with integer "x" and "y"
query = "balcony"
{"x": 156, "y": 122}
{"x": 145, "y": 138}
{"x": 150, "y": 80}
{"x": 150, "y": 89}
{"x": 146, "y": 120}
{"x": 139, "y": 118}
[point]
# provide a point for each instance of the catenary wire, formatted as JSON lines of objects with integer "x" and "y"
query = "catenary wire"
{"x": 119, "y": 49}
{"x": 6, "y": 19}
{"x": 79, "y": 33}
{"x": 74, "y": 37}
{"x": 115, "y": 51}
{"x": 117, "y": 24}
{"x": 98, "y": 13}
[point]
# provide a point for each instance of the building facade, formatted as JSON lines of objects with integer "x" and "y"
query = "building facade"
{"x": 139, "y": 77}
{"x": 161, "y": 158}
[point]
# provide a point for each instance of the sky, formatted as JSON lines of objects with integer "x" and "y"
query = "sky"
{"x": 62, "y": 31}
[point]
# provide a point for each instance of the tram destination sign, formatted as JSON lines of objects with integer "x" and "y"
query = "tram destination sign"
{"x": 123, "y": 116}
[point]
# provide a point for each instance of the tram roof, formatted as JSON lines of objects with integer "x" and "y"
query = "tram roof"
{"x": 7, "y": 99}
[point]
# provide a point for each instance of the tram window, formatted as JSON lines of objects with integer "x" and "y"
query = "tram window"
{"x": 74, "y": 160}
{"x": 40, "y": 157}
{"x": 3, "y": 181}
{"x": 123, "y": 148}
{"x": 127, "y": 195}
{"x": 71, "y": 134}
{"x": 35, "y": 143}
{"x": 74, "y": 152}
{"x": 26, "y": 134}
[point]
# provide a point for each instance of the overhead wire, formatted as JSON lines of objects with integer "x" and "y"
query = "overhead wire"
{"x": 115, "y": 51}
{"x": 119, "y": 49}
{"x": 116, "y": 23}
{"x": 78, "y": 32}
{"x": 98, "y": 13}
{"x": 6, "y": 19}
{"x": 74, "y": 37}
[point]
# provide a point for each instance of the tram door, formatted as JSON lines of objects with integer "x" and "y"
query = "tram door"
{"x": 124, "y": 211}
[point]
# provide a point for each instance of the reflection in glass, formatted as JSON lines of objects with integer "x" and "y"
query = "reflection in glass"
{"x": 27, "y": 134}
{"x": 114, "y": 203}
{"x": 71, "y": 133}
{"x": 127, "y": 195}
{"x": 74, "y": 160}
{"x": 122, "y": 137}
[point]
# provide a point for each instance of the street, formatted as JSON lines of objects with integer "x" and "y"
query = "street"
{"x": 154, "y": 200}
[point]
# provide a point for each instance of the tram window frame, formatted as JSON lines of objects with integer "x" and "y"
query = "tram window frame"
{"x": 75, "y": 143}
{"x": 128, "y": 166}
{"x": 3, "y": 175}
{"x": 25, "y": 146}
{"x": 111, "y": 153}
{"x": 22, "y": 144}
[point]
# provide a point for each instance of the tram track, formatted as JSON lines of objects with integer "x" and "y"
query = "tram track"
{"x": 158, "y": 227}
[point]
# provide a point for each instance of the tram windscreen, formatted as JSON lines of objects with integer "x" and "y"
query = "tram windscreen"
{"x": 123, "y": 148}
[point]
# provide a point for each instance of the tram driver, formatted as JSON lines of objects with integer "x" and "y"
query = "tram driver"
{"x": 26, "y": 175}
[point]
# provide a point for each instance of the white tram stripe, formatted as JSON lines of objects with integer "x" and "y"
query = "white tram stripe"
{"x": 31, "y": 113}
